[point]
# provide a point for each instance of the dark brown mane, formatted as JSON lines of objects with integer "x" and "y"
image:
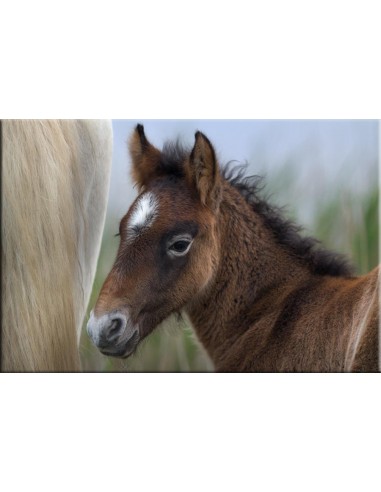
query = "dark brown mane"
{"x": 286, "y": 232}
{"x": 321, "y": 261}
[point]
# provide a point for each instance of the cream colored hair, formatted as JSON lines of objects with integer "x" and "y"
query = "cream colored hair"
{"x": 55, "y": 186}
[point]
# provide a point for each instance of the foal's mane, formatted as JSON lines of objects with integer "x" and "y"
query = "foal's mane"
{"x": 320, "y": 261}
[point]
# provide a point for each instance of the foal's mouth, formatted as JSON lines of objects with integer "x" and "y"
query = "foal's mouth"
{"x": 125, "y": 351}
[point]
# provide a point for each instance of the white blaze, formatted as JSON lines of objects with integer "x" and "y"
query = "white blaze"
{"x": 143, "y": 215}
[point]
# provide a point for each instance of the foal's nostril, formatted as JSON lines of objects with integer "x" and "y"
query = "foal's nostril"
{"x": 107, "y": 330}
{"x": 116, "y": 326}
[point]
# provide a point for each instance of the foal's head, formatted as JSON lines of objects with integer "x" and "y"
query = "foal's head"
{"x": 168, "y": 250}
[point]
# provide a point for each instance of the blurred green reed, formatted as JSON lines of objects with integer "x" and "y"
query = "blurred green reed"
{"x": 342, "y": 220}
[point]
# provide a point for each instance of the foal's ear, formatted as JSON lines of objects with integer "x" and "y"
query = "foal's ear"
{"x": 203, "y": 173}
{"x": 145, "y": 157}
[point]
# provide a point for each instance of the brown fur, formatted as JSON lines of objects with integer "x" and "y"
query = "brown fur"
{"x": 256, "y": 304}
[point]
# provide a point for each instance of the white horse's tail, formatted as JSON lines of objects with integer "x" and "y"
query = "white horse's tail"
{"x": 55, "y": 186}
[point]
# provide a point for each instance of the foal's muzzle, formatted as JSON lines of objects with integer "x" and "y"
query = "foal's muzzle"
{"x": 113, "y": 334}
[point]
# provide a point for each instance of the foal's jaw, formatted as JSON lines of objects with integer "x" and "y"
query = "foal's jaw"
{"x": 113, "y": 333}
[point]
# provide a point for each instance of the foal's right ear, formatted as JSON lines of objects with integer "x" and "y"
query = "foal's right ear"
{"x": 145, "y": 157}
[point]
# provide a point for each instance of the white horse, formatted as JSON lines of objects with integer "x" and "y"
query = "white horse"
{"x": 55, "y": 187}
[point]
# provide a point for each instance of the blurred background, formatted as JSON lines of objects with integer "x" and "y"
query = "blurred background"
{"x": 324, "y": 172}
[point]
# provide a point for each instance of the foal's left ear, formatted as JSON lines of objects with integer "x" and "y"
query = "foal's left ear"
{"x": 145, "y": 157}
{"x": 203, "y": 173}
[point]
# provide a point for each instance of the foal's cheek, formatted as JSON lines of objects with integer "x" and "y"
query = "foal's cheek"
{"x": 168, "y": 270}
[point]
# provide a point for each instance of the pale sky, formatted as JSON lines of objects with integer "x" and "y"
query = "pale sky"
{"x": 327, "y": 154}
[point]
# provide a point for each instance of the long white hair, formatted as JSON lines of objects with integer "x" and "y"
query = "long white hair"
{"x": 55, "y": 187}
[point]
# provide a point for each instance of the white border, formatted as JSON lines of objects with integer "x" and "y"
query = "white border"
{"x": 202, "y": 59}
{"x": 272, "y": 59}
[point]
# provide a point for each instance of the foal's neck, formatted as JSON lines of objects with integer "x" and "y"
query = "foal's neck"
{"x": 253, "y": 271}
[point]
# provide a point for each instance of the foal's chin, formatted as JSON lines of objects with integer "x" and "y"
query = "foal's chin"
{"x": 125, "y": 351}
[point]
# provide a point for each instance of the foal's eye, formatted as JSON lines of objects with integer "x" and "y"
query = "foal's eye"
{"x": 180, "y": 247}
